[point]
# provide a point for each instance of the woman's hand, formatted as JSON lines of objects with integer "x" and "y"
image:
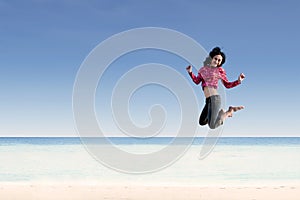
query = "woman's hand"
{"x": 241, "y": 77}
{"x": 189, "y": 68}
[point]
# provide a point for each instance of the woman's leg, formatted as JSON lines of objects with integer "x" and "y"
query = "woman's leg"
{"x": 215, "y": 113}
{"x": 203, "y": 119}
{"x": 223, "y": 115}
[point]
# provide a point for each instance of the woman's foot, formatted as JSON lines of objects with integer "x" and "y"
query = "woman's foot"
{"x": 232, "y": 109}
{"x": 236, "y": 108}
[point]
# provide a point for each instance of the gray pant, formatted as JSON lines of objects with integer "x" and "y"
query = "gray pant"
{"x": 211, "y": 113}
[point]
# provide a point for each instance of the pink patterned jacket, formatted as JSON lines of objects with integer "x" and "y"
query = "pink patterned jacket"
{"x": 209, "y": 76}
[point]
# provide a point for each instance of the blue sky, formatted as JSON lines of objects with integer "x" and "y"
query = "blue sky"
{"x": 43, "y": 44}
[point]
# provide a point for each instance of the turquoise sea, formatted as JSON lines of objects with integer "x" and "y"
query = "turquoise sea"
{"x": 233, "y": 161}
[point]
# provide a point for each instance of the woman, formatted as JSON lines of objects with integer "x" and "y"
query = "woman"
{"x": 209, "y": 75}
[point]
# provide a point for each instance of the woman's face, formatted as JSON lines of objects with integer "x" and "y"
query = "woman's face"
{"x": 216, "y": 61}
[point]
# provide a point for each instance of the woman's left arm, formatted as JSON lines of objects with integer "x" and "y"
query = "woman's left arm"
{"x": 225, "y": 81}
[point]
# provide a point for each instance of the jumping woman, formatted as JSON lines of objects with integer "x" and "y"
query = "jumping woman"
{"x": 208, "y": 76}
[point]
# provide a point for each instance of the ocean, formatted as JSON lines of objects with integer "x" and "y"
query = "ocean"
{"x": 232, "y": 161}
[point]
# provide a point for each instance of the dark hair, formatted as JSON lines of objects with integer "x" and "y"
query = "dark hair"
{"x": 217, "y": 51}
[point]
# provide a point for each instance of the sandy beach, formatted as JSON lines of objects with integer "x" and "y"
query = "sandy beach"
{"x": 65, "y": 191}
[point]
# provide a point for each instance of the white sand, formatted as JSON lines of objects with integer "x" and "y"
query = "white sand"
{"x": 76, "y": 191}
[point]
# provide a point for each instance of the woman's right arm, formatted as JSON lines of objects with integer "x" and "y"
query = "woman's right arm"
{"x": 196, "y": 79}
